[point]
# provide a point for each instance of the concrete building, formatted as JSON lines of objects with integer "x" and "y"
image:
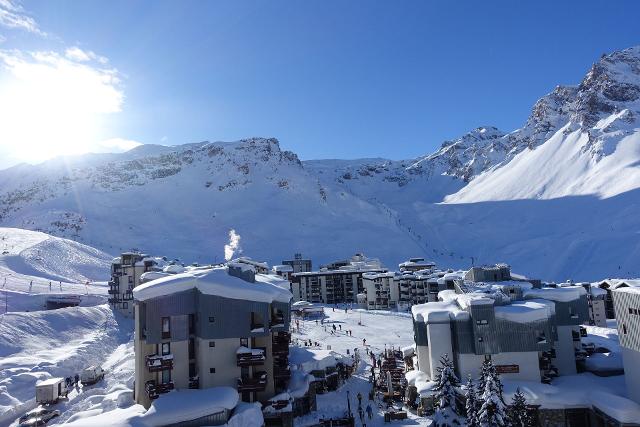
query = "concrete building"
{"x": 597, "y": 305}
{"x": 416, "y": 264}
{"x": 530, "y": 334}
{"x": 222, "y": 326}
{"x": 284, "y": 271}
{"x": 298, "y": 264}
{"x": 627, "y": 307}
{"x": 334, "y": 285}
{"x": 125, "y": 276}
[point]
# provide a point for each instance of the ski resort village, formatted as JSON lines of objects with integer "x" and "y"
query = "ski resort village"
{"x": 251, "y": 213}
{"x": 148, "y": 340}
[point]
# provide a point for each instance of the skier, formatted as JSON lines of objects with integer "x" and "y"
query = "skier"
{"x": 76, "y": 378}
{"x": 49, "y": 286}
{"x": 340, "y": 326}
{"x": 359, "y": 399}
{"x": 334, "y": 327}
{"x": 364, "y": 342}
{"x": 369, "y": 411}
{"x": 60, "y": 285}
{"x": 361, "y": 414}
{"x": 316, "y": 321}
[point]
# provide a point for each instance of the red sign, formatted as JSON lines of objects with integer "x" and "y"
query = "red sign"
{"x": 507, "y": 369}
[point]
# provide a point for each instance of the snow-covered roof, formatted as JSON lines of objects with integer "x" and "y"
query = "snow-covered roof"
{"x": 563, "y": 294}
{"x": 189, "y": 404}
{"x": 282, "y": 268}
{"x": 49, "y": 381}
{"x": 216, "y": 281}
{"x": 442, "y": 311}
{"x": 633, "y": 290}
{"x": 153, "y": 275}
{"x": 174, "y": 269}
{"x": 525, "y": 311}
{"x": 314, "y": 359}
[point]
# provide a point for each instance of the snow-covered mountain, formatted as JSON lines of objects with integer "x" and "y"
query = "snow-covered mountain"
{"x": 556, "y": 198}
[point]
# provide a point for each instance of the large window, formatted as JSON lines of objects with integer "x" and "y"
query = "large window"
{"x": 166, "y": 348}
{"x": 166, "y": 327}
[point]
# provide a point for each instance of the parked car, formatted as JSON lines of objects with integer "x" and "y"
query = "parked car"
{"x": 38, "y": 417}
{"x": 92, "y": 375}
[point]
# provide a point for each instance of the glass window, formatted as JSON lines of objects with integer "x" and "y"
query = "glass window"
{"x": 166, "y": 327}
{"x": 192, "y": 324}
{"x": 212, "y": 343}
{"x": 166, "y": 348}
{"x": 244, "y": 342}
{"x": 212, "y": 319}
{"x": 166, "y": 376}
{"x": 212, "y": 370}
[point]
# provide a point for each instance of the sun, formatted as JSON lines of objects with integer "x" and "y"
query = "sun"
{"x": 51, "y": 106}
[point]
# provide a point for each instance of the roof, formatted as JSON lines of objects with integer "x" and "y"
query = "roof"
{"x": 562, "y": 294}
{"x": 49, "y": 381}
{"x": 216, "y": 281}
{"x": 525, "y": 311}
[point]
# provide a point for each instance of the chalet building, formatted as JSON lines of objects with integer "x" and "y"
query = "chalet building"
{"x": 336, "y": 285}
{"x": 125, "y": 276}
{"x": 221, "y": 326}
{"x": 530, "y": 334}
{"x": 298, "y": 264}
{"x": 627, "y": 307}
{"x": 610, "y": 285}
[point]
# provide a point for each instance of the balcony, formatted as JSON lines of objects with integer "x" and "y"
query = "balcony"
{"x": 114, "y": 300}
{"x": 257, "y": 383}
{"x": 250, "y": 356}
{"x": 154, "y": 390}
{"x": 113, "y": 291}
{"x": 157, "y": 363}
{"x": 280, "y": 372}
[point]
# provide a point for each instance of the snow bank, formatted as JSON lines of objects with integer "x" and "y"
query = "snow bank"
{"x": 246, "y": 415}
{"x": 217, "y": 281}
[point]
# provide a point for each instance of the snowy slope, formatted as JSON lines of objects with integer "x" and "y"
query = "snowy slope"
{"x": 44, "y": 257}
{"x": 554, "y": 198}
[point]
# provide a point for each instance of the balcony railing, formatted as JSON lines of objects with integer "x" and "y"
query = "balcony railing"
{"x": 257, "y": 383}
{"x": 157, "y": 363}
{"x": 250, "y": 356}
{"x": 154, "y": 390}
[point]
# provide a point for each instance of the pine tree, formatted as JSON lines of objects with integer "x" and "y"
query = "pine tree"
{"x": 445, "y": 395}
{"x": 471, "y": 404}
{"x": 518, "y": 414}
{"x": 492, "y": 412}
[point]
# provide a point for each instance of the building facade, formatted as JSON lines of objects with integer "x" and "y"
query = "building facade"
{"x": 299, "y": 264}
{"x": 532, "y": 335}
{"x": 125, "y": 276}
{"x": 627, "y": 308}
{"x": 226, "y": 326}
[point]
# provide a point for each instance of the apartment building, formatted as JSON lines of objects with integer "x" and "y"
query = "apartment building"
{"x": 298, "y": 264}
{"x": 597, "y": 305}
{"x": 125, "y": 276}
{"x": 416, "y": 264}
{"x": 335, "y": 285}
{"x": 627, "y": 307}
{"x": 221, "y": 326}
{"x": 609, "y": 285}
{"x": 530, "y": 334}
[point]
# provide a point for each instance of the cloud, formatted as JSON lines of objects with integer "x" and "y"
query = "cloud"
{"x": 79, "y": 55}
{"x": 51, "y": 105}
{"x": 12, "y": 15}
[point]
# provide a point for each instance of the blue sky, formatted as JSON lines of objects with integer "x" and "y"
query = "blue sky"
{"x": 327, "y": 78}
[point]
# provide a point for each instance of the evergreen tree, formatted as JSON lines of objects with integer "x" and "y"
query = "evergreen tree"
{"x": 445, "y": 395}
{"x": 471, "y": 404}
{"x": 518, "y": 414}
{"x": 492, "y": 412}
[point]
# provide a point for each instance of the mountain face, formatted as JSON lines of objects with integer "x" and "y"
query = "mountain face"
{"x": 556, "y": 198}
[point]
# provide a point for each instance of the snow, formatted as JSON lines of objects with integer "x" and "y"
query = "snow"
{"x": 184, "y": 405}
{"x": 315, "y": 359}
{"x": 525, "y": 311}
{"x": 49, "y": 381}
{"x": 217, "y": 281}
{"x": 564, "y": 294}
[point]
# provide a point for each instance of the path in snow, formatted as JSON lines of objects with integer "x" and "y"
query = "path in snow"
{"x": 380, "y": 329}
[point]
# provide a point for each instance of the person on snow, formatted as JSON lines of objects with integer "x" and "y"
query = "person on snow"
{"x": 359, "y": 398}
{"x": 364, "y": 342}
{"x": 369, "y": 411}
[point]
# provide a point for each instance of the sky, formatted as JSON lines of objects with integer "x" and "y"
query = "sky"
{"x": 329, "y": 79}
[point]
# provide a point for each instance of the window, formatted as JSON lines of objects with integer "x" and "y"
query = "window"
{"x": 130, "y": 280}
{"x": 192, "y": 324}
{"x": 125, "y": 305}
{"x": 624, "y": 329}
{"x": 212, "y": 319}
{"x": 192, "y": 370}
{"x": 212, "y": 370}
{"x": 482, "y": 322}
{"x": 480, "y": 339}
{"x": 244, "y": 342}
{"x": 166, "y": 348}
{"x": 212, "y": 343}
{"x": 166, "y": 376}
{"x": 630, "y": 310}
{"x": 166, "y": 327}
